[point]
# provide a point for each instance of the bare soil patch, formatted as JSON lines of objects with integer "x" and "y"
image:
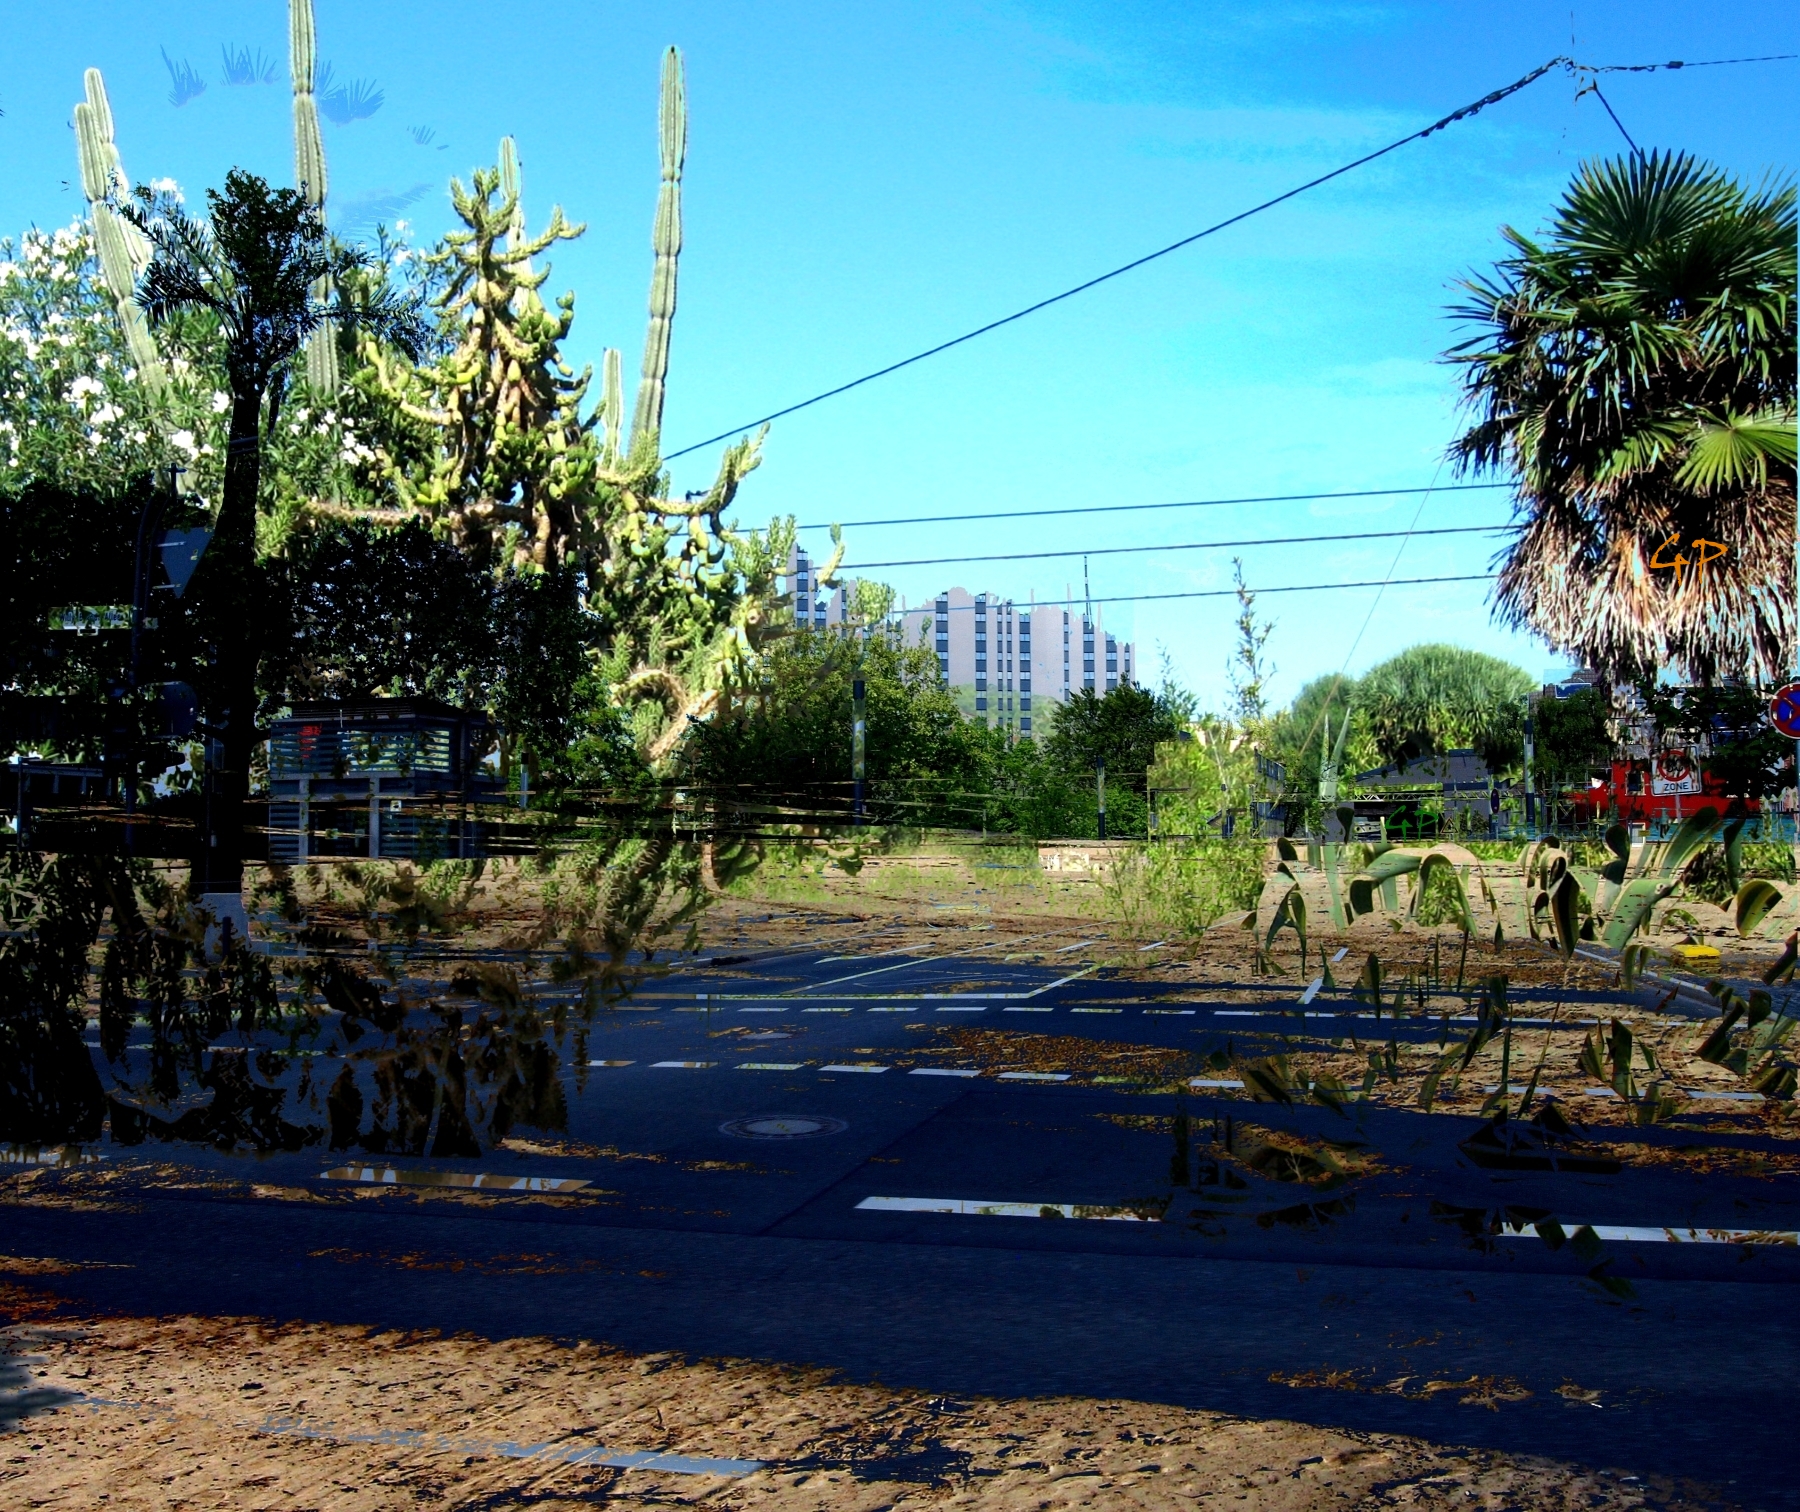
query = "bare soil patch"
{"x": 197, "y": 1412}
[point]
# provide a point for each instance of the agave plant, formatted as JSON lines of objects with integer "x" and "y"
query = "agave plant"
{"x": 1635, "y": 372}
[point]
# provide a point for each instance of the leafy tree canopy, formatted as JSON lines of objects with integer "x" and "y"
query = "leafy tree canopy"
{"x": 1570, "y": 736}
{"x": 1121, "y": 728}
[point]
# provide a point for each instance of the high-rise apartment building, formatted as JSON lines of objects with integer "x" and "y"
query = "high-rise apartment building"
{"x": 814, "y": 607}
{"x": 1007, "y": 663}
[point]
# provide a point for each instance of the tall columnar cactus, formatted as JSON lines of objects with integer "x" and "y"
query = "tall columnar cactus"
{"x": 511, "y": 189}
{"x": 309, "y": 174}
{"x": 646, "y": 419}
{"x": 124, "y": 251}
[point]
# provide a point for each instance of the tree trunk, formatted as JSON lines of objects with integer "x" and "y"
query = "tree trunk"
{"x": 233, "y": 629}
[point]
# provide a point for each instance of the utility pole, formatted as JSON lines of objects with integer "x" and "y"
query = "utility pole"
{"x": 1530, "y": 789}
{"x": 858, "y": 742}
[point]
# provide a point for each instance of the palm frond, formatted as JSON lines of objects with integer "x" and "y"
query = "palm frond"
{"x": 1737, "y": 451}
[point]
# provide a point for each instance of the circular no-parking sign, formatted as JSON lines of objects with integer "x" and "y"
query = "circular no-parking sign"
{"x": 1784, "y": 710}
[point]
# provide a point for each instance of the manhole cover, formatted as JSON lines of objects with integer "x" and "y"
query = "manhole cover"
{"x": 783, "y": 1126}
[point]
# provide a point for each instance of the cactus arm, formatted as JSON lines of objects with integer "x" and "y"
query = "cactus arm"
{"x": 612, "y": 404}
{"x": 646, "y": 419}
{"x": 122, "y": 248}
{"x": 309, "y": 173}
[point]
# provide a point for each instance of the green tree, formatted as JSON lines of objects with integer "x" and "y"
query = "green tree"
{"x": 1635, "y": 372}
{"x": 1437, "y": 698}
{"x": 1121, "y": 728}
{"x": 375, "y": 609}
{"x": 251, "y": 267}
{"x": 791, "y": 744}
{"x": 1570, "y": 737}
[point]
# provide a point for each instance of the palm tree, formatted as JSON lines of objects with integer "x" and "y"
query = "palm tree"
{"x": 1635, "y": 372}
{"x": 253, "y": 266}
{"x": 1437, "y": 698}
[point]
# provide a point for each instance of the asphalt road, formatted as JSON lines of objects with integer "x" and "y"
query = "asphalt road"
{"x": 775, "y": 1169}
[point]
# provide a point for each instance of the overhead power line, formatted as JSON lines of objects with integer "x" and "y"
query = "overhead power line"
{"x": 1082, "y": 509}
{"x": 1203, "y": 593}
{"x": 1474, "y": 107}
{"x": 1087, "y": 551}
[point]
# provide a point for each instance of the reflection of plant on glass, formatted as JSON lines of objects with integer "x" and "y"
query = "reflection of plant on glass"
{"x": 345, "y": 1026}
{"x": 353, "y": 100}
{"x": 185, "y": 79}
{"x": 245, "y": 66}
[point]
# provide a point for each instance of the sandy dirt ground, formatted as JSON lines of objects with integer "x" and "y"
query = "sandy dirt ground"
{"x": 195, "y": 1412}
{"x": 201, "y": 1413}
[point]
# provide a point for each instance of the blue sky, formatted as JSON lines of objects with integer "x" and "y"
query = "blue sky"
{"x": 866, "y": 180}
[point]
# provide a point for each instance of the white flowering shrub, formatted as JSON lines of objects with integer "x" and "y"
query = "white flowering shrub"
{"x": 73, "y": 414}
{"x": 71, "y": 410}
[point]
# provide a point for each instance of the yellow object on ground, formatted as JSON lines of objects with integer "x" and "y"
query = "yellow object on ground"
{"x": 1696, "y": 955}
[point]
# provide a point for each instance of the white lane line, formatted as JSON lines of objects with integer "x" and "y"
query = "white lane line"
{"x": 771, "y": 1065}
{"x": 1096, "y": 1010}
{"x": 865, "y": 1067}
{"x": 939, "y": 1071}
{"x": 1027, "y": 1010}
{"x": 897, "y": 1008}
{"x": 827, "y": 1010}
{"x": 1237, "y": 1013}
{"x": 857, "y": 976}
{"x": 1626, "y": 1233}
{"x": 964, "y": 1208}
{"x": 612, "y": 1063}
{"x": 683, "y": 1065}
{"x": 1205, "y": 1081}
{"x": 762, "y": 1010}
{"x": 1172, "y": 1012}
{"x": 963, "y": 1008}
{"x": 1078, "y": 945}
{"x": 1049, "y": 1076}
{"x": 1312, "y": 990}
{"x": 996, "y": 997}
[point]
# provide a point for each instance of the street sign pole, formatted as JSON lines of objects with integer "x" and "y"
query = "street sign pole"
{"x": 1784, "y": 715}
